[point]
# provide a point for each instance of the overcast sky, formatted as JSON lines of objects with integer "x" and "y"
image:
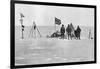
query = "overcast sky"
{"x": 45, "y": 15}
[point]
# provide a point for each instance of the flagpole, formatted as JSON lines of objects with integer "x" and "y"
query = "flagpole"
{"x": 37, "y": 29}
{"x": 22, "y": 27}
{"x": 55, "y": 26}
{"x": 21, "y": 20}
{"x": 34, "y": 29}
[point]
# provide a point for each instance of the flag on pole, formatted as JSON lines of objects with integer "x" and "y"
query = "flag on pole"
{"x": 57, "y": 21}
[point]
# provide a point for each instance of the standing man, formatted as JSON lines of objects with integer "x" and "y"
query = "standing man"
{"x": 62, "y": 30}
{"x": 69, "y": 30}
{"x": 78, "y": 32}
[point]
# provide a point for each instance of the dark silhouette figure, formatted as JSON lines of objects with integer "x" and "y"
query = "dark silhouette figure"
{"x": 75, "y": 32}
{"x": 62, "y": 30}
{"x": 78, "y": 32}
{"x": 72, "y": 30}
{"x": 69, "y": 30}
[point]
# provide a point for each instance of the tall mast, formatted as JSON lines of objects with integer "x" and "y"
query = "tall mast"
{"x": 22, "y": 26}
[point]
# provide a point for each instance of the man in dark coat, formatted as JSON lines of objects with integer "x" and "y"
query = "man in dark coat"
{"x": 62, "y": 30}
{"x": 69, "y": 30}
{"x": 78, "y": 32}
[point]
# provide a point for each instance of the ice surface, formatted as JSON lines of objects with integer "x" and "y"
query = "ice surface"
{"x": 51, "y": 50}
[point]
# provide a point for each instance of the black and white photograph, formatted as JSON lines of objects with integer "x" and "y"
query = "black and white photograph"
{"x": 46, "y": 34}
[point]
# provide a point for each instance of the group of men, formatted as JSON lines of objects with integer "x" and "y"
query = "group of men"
{"x": 69, "y": 31}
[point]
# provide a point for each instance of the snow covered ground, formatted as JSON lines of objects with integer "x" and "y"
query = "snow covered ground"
{"x": 50, "y": 50}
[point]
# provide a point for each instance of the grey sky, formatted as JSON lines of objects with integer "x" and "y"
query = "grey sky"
{"x": 44, "y": 15}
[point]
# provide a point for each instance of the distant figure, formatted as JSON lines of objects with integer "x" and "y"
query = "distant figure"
{"x": 90, "y": 35}
{"x": 69, "y": 30}
{"x": 75, "y": 32}
{"x": 72, "y": 30}
{"x": 78, "y": 32}
{"x": 62, "y": 30}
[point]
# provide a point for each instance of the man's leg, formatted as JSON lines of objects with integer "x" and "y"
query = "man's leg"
{"x": 68, "y": 36}
{"x": 79, "y": 36}
{"x": 61, "y": 35}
